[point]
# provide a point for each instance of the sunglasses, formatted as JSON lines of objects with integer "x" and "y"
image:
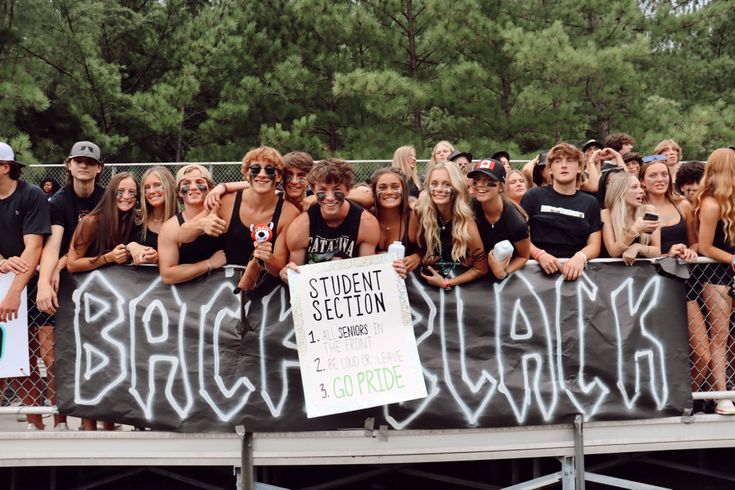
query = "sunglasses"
{"x": 270, "y": 170}
{"x": 654, "y": 158}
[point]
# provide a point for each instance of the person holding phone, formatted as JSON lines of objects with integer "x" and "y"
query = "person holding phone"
{"x": 678, "y": 230}
{"x": 679, "y": 239}
{"x": 628, "y": 229}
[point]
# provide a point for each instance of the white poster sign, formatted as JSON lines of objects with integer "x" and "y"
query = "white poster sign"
{"x": 14, "y": 336}
{"x": 353, "y": 327}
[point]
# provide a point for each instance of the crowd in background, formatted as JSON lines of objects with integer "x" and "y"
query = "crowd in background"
{"x": 464, "y": 219}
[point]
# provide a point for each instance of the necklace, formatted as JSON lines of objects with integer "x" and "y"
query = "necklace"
{"x": 444, "y": 223}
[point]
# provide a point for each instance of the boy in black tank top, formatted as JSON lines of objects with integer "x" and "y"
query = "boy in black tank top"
{"x": 184, "y": 255}
{"x": 335, "y": 228}
{"x": 257, "y": 206}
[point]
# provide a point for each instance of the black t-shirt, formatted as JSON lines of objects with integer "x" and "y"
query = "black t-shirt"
{"x": 67, "y": 209}
{"x": 24, "y": 212}
{"x": 511, "y": 226}
{"x": 561, "y": 224}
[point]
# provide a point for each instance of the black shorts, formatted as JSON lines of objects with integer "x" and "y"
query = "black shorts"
{"x": 35, "y": 316}
{"x": 718, "y": 274}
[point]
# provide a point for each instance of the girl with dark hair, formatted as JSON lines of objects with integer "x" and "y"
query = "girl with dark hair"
{"x": 102, "y": 235}
{"x": 393, "y": 211}
{"x": 498, "y": 219}
{"x": 49, "y": 186}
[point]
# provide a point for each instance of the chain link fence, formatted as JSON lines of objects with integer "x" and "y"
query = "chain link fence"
{"x": 221, "y": 171}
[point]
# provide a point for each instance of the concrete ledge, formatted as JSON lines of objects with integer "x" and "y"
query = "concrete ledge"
{"x": 355, "y": 447}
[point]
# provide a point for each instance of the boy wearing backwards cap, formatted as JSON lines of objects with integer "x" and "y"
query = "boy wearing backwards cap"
{"x": 24, "y": 221}
{"x": 68, "y": 206}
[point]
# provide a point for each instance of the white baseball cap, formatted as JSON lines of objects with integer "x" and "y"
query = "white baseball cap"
{"x": 7, "y": 155}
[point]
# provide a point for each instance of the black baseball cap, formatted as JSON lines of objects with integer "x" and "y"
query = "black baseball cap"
{"x": 489, "y": 167}
{"x": 501, "y": 153}
{"x": 592, "y": 142}
{"x": 456, "y": 154}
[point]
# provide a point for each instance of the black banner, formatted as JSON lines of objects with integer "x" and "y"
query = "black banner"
{"x": 531, "y": 350}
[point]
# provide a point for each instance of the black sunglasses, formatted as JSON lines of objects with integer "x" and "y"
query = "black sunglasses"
{"x": 270, "y": 170}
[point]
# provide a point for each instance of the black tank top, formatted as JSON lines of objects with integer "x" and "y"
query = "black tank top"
{"x": 200, "y": 249}
{"x": 326, "y": 243}
{"x": 410, "y": 247}
{"x": 671, "y": 235}
{"x": 719, "y": 239}
{"x": 237, "y": 243}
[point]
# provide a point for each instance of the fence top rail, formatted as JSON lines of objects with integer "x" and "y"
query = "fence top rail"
{"x": 180, "y": 164}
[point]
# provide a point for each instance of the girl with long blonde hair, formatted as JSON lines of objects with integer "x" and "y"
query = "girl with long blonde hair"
{"x": 447, "y": 229}
{"x": 440, "y": 153}
{"x": 159, "y": 203}
{"x": 404, "y": 159}
{"x": 624, "y": 230}
{"x": 715, "y": 212}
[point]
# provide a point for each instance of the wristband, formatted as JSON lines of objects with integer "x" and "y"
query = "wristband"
{"x": 209, "y": 265}
{"x": 583, "y": 255}
{"x": 224, "y": 186}
{"x": 447, "y": 284}
{"x": 538, "y": 254}
{"x": 104, "y": 258}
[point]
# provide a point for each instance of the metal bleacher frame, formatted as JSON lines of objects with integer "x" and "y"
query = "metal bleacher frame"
{"x": 569, "y": 442}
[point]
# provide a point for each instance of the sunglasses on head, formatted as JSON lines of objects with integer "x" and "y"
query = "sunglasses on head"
{"x": 654, "y": 158}
{"x": 270, "y": 170}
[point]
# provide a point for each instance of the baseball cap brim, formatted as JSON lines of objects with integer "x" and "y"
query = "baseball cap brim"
{"x": 484, "y": 172}
{"x": 499, "y": 154}
{"x": 84, "y": 155}
{"x": 592, "y": 143}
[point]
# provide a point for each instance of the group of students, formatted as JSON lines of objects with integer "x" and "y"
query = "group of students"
{"x": 289, "y": 211}
{"x": 604, "y": 200}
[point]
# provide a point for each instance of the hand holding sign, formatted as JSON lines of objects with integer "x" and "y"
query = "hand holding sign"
{"x": 355, "y": 336}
